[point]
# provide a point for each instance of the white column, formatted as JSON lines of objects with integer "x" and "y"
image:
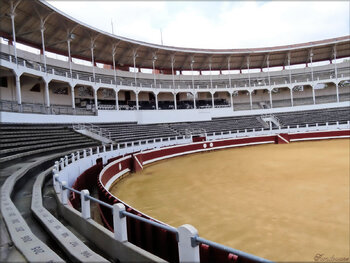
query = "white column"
{"x": 211, "y": 80}
{"x": 134, "y": 59}
{"x": 73, "y": 96}
{"x": 313, "y": 93}
{"x": 47, "y": 96}
{"x": 270, "y": 94}
{"x": 93, "y": 61}
{"x": 13, "y": 29}
{"x": 18, "y": 90}
{"x": 192, "y": 74}
{"x": 156, "y": 97}
{"x": 268, "y": 70}
{"x": 248, "y": 62}
{"x": 172, "y": 70}
{"x": 251, "y": 100}
{"x": 231, "y": 98}
{"x": 289, "y": 69}
{"x": 114, "y": 71}
{"x": 95, "y": 99}
{"x": 291, "y": 96}
{"x": 137, "y": 100}
{"x": 69, "y": 58}
{"x": 229, "y": 71}
{"x": 42, "y": 29}
{"x": 194, "y": 100}
{"x": 116, "y": 100}
{"x": 154, "y": 72}
{"x": 212, "y": 100}
{"x": 175, "y": 103}
{"x": 336, "y": 72}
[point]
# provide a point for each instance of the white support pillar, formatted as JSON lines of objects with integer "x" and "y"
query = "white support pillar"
{"x": 73, "y": 96}
{"x": 291, "y": 96}
{"x": 172, "y": 70}
{"x": 187, "y": 252}
{"x": 154, "y": 70}
{"x": 69, "y": 57}
{"x": 12, "y": 15}
{"x": 119, "y": 223}
{"x": 134, "y": 59}
{"x": 175, "y": 103}
{"x": 229, "y": 72}
{"x": 42, "y": 29}
{"x": 192, "y": 73}
{"x": 250, "y": 100}
{"x": 289, "y": 69}
{"x": 95, "y": 99}
{"x": 156, "y": 99}
{"x": 212, "y": 100}
{"x": 194, "y": 100}
{"x": 231, "y": 98}
{"x": 85, "y": 204}
{"x": 18, "y": 90}
{"x": 248, "y": 64}
{"x": 270, "y": 95}
{"x": 336, "y": 72}
{"x": 313, "y": 94}
{"x": 113, "y": 59}
{"x": 116, "y": 99}
{"x": 268, "y": 69}
{"x": 47, "y": 96}
{"x": 210, "y": 76}
{"x": 93, "y": 60}
{"x": 137, "y": 100}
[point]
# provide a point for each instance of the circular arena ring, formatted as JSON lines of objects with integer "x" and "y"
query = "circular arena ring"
{"x": 131, "y": 226}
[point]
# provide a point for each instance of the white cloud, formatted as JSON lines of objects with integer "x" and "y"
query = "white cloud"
{"x": 217, "y": 24}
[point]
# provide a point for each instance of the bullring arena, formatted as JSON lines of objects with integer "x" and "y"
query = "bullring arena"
{"x": 108, "y": 163}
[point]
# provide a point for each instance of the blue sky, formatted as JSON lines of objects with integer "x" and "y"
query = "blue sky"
{"x": 215, "y": 24}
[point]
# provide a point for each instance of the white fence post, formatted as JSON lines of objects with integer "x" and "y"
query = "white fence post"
{"x": 119, "y": 223}
{"x": 78, "y": 155}
{"x": 56, "y": 184}
{"x": 62, "y": 163}
{"x": 85, "y": 204}
{"x": 73, "y": 157}
{"x": 64, "y": 193}
{"x": 187, "y": 252}
{"x": 66, "y": 160}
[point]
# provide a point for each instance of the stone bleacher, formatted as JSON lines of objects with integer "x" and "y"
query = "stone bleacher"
{"x": 314, "y": 116}
{"x": 22, "y": 140}
{"x": 131, "y": 131}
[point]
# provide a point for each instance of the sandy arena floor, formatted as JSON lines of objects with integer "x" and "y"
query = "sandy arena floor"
{"x": 280, "y": 202}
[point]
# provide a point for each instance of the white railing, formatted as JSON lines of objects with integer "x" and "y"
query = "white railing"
{"x": 69, "y": 168}
{"x": 93, "y": 128}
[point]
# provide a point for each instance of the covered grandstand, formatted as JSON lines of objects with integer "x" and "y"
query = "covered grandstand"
{"x": 76, "y": 120}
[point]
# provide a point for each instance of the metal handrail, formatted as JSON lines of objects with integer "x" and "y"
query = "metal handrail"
{"x": 196, "y": 240}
